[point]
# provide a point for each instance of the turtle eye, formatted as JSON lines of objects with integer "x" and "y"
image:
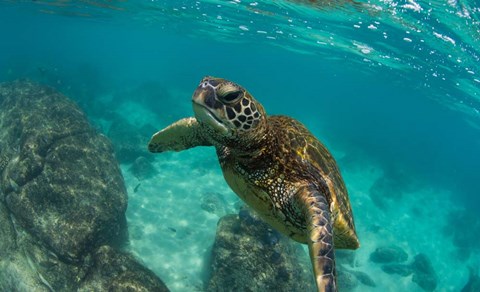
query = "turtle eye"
{"x": 232, "y": 96}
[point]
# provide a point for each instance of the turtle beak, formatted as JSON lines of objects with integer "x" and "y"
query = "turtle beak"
{"x": 206, "y": 106}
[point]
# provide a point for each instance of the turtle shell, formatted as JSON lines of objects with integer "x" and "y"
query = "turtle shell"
{"x": 319, "y": 168}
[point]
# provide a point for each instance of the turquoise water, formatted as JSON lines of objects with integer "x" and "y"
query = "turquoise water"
{"x": 392, "y": 88}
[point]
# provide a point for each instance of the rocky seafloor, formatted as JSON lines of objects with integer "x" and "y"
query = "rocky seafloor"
{"x": 63, "y": 207}
{"x": 62, "y": 200}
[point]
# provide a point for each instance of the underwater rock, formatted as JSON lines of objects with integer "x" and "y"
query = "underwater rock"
{"x": 7, "y": 233}
{"x": 421, "y": 268}
{"x": 215, "y": 203}
{"x": 142, "y": 168}
{"x": 346, "y": 280}
{"x": 424, "y": 274}
{"x": 4, "y": 160}
{"x": 400, "y": 269}
{"x": 62, "y": 183}
{"x": 247, "y": 216}
{"x": 464, "y": 237}
{"x": 349, "y": 279}
{"x": 390, "y": 254}
{"x": 62, "y": 195}
{"x": 17, "y": 272}
{"x": 129, "y": 141}
{"x": 252, "y": 257}
{"x": 473, "y": 284}
{"x": 117, "y": 271}
{"x": 364, "y": 278}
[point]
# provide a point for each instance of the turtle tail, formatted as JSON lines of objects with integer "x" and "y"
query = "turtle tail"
{"x": 320, "y": 241}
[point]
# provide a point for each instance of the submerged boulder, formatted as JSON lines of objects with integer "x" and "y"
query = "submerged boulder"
{"x": 422, "y": 269}
{"x": 388, "y": 254}
{"x": 464, "y": 237}
{"x": 114, "y": 270}
{"x": 423, "y": 273}
{"x": 249, "y": 256}
{"x": 62, "y": 195}
{"x": 399, "y": 269}
{"x": 348, "y": 279}
{"x": 364, "y": 278}
{"x": 61, "y": 182}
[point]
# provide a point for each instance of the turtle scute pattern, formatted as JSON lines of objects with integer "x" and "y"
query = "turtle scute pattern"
{"x": 306, "y": 153}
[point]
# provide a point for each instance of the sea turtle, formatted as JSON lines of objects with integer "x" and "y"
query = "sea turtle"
{"x": 275, "y": 165}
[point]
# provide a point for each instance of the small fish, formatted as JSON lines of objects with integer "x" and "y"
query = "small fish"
{"x": 172, "y": 229}
{"x": 135, "y": 189}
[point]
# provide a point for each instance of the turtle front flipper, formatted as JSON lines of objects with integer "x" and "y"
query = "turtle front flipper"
{"x": 183, "y": 134}
{"x": 320, "y": 240}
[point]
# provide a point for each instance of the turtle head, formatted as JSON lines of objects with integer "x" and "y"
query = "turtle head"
{"x": 230, "y": 112}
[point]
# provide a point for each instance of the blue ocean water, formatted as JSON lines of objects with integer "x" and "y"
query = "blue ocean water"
{"x": 391, "y": 87}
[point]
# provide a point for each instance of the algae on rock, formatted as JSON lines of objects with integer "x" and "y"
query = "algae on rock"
{"x": 249, "y": 256}
{"x": 62, "y": 197}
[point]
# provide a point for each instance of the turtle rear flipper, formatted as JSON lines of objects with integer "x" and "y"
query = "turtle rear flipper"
{"x": 320, "y": 240}
{"x": 183, "y": 134}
